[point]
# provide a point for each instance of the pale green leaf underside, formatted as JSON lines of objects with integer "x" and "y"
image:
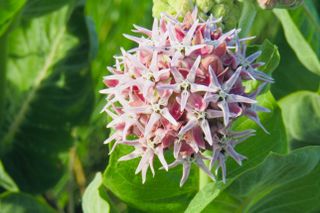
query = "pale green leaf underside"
{"x": 92, "y": 202}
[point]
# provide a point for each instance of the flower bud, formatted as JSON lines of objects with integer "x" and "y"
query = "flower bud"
{"x": 205, "y": 5}
{"x": 270, "y": 4}
{"x": 173, "y": 7}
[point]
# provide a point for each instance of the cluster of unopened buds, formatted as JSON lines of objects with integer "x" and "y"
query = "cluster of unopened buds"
{"x": 179, "y": 91}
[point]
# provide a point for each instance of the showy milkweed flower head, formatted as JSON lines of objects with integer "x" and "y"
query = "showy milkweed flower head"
{"x": 179, "y": 91}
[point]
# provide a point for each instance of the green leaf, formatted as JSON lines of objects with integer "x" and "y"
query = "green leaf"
{"x": 291, "y": 76}
{"x": 35, "y": 8}
{"x": 282, "y": 183}
{"x": 270, "y": 56}
{"x": 205, "y": 196}
{"x": 302, "y": 31}
{"x": 92, "y": 202}
{"x": 8, "y": 9}
{"x": 49, "y": 92}
{"x": 159, "y": 194}
{"x": 5, "y": 180}
{"x": 301, "y": 115}
{"x": 256, "y": 148}
{"x": 22, "y": 203}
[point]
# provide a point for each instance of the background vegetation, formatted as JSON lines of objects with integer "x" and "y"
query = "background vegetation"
{"x": 53, "y": 55}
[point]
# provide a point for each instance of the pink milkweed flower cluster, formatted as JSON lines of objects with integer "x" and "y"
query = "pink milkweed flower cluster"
{"x": 179, "y": 91}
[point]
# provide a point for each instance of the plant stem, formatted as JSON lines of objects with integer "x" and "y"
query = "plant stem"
{"x": 248, "y": 15}
{"x": 3, "y": 70}
{"x": 204, "y": 179}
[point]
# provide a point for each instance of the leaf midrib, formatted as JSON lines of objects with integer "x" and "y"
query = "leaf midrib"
{"x": 19, "y": 118}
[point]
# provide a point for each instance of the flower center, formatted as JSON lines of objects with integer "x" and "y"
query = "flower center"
{"x": 185, "y": 85}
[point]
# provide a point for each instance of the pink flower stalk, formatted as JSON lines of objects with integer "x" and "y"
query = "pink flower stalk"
{"x": 180, "y": 91}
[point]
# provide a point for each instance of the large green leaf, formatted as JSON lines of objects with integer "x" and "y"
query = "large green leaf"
{"x": 302, "y": 31}
{"x": 5, "y": 180}
{"x": 301, "y": 114}
{"x": 92, "y": 201}
{"x": 49, "y": 92}
{"x": 291, "y": 75}
{"x": 22, "y": 203}
{"x": 8, "y": 9}
{"x": 282, "y": 183}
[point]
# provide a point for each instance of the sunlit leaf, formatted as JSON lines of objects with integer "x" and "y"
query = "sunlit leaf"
{"x": 301, "y": 115}
{"x": 8, "y": 9}
{"x": 282, "y": 183}
{"x": 302, "y": 31}
{"x": 92, "y": 201}
{"x": 5, "y": 180}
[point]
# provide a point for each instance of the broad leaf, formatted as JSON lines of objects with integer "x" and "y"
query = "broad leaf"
{"x": 92, "y": 201}
{"x": 49, "y": 92}
{"x": 301, "y": 115}
{"x": 282, "y": 183}
{"x": 22, "y": 203}
{"x": 291, "y": 75}
{"x": 8, "y": 9}
{"x": 302, "y": 31}
{"x": 5, "y": 180}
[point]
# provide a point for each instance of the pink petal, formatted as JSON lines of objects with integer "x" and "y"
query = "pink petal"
{"x": 197, "y": 135}
{"x": 187, "y": 127}
{"x": 206, "y": 130}
{"x": 185, "y": 173}
{"x": 227, "y": 86}
{"x": 192, "y": 73}
{"x": 154, "y": 118}
{"x": 188, "y": 38}
{"x": 214, "y": 80}
{"x": 196, "y": 101}
{"x": 184, "y": 98}
{"x": 232, "y": 98}
{"x": 211, "y": 113}
{"x": 130, "y": 156}
{"x": 176, "y": 148}
{"x": 165, "y": 113}
{"x": 225, "y": 109}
